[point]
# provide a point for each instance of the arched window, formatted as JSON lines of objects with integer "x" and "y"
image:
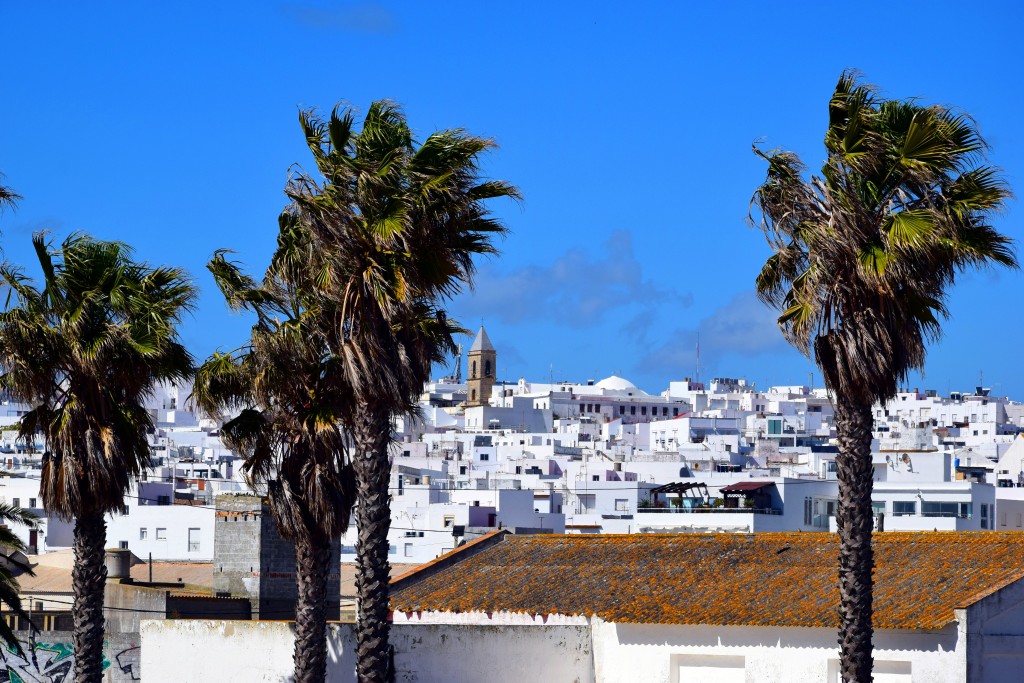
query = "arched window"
{"x": 472, "y": 372}
{"x": 487, "y": 368}
{"x": 472, "y": 395}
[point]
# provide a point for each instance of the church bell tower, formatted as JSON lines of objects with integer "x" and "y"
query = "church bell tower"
{"x": 482, "y": 368}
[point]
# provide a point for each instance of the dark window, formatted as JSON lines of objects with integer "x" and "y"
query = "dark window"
{"x": 472, "y": 371}
{"x": 632, "y": 410}
{"x": 643, "y": 410}
{"x": 664, "y": 412}
{"x": 622, "y": 410}
{"x": 675, "y": 412}
{"x": 904, "y": 507}
{"x": 487, "y": 368}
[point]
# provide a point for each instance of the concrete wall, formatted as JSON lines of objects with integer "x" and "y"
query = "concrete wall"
{"x": 251, "y": 559}
{"x": 995, "y": 636}
{"x": 248, "y": 652}
{"x": 125, "y": 604}
{"x": 52, "y": 659}
{"x": 508, "y": 647}
{"x": 680, "y": 654}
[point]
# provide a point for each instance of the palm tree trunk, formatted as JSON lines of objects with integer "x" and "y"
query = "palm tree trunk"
{"x": 312, "y": 567}
{"x": 854, "y": 521}
{"x": 89, "y": 578}
{"x": 373, "y": 521}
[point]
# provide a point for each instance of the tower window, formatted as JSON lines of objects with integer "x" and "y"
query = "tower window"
{"x": 472, "y": 395}
{"x": 487, "y": 368}
{"x": 472, "y": 371}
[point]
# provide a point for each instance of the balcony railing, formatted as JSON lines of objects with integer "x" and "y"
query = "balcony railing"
{"x": 672, "y": 510}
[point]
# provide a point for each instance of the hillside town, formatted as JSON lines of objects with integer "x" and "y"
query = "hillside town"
{"x": 370, "y": 342}
{"x": 486, "y": 457}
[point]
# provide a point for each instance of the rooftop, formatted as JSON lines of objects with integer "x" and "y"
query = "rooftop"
{"x": 764, "y": 579}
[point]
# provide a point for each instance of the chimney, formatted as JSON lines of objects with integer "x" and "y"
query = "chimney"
{"x": 119, "y": 563}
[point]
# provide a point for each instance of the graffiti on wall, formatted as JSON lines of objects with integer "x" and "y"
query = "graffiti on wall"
{"x": 45, "y": 663}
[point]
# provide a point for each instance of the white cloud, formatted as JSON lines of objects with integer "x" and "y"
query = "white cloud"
{"x": 576, "y": 289}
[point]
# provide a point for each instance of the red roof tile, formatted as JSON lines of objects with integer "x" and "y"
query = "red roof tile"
{"x": 769, "y": 579}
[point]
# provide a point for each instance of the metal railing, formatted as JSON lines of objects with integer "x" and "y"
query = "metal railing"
{"x": 674, "y": 510}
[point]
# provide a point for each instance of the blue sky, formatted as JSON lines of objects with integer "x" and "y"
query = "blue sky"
{"x": 627, "y": 126}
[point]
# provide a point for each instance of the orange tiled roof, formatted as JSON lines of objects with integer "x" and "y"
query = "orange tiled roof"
{"x": 764, "y": 579}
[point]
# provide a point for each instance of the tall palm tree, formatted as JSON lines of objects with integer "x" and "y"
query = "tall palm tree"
{"x": 85, "y": 351}
{"x": 397, "y": 225}
{"x": 863, "y": 257}
{"x": 287, "y": 426}
{"x": 9, "y": 588}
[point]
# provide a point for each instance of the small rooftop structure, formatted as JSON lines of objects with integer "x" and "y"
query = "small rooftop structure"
{"x": 615, "y": 383}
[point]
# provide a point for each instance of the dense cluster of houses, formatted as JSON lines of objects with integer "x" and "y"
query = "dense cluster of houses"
{"x": 524, "y": 464}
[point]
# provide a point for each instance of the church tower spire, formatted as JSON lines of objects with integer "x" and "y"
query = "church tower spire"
{"x": 483, "y": 363}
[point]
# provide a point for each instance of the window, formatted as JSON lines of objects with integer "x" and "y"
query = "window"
{"x": 621, "y": 505}
{"x": 808, "y": 511}
{"x": 583, "y": 407}
{"x": 408, "y": 549}
{"x": 161, "y": 534}
{"x": 1002, "y": 519}
{"x": 632, "y": 410}
{"x": 643, "y": 410}
{"x": 774, "y": 427}
{"x": 596, "y": 477}
{"x": 664, "y": 412}
{"x": 449, "y": 521}
{"x": 622, "y": 410}
{"x": 877, "y": 507}
{"x": 123, "y": 545}
{"x": 472, "y": 370}
{"x": 472, "y": 395}
{"x": 143, "y": 533}
{"x": 485, "y": 456}
{"x": 675, "y": 412}
{"x": 32, "y": 502}
{"x": 946, "y": 509}
{"x": 193, "y": 540}
{"x": 16, "y": 502}
{"x": 903, "y": 508}
{"x": 487, "y": 368}
{"x": 984, "y": 516}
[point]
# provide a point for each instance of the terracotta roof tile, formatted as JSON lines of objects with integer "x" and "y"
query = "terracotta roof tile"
{"x": 778, "y": 579}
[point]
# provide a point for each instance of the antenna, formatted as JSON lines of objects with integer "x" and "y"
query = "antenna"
{"x": 458, "y": 365}
{"x": 696, "y": 373}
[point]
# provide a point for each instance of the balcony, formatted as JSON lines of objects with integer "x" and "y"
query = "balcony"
{"x": 708, "y": 510}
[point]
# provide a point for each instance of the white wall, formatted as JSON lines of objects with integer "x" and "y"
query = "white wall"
{"x": 175, "y": 520}
{"x": 515, "y": 648}
{"x": 251, "y": 651}
{"x": 681, "y": 654}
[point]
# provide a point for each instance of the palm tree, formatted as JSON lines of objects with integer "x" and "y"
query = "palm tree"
{"x": 7, "y": 196}
{"x": 85, "y": 351}
{"x": 863, "y": 257}
{"x": 9, "y": 588}
{"x": 396, "y": 225}
{"x": 287, "y": 427}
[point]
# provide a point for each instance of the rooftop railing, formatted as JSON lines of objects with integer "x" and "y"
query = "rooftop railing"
{"x": 681, "y": 510}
